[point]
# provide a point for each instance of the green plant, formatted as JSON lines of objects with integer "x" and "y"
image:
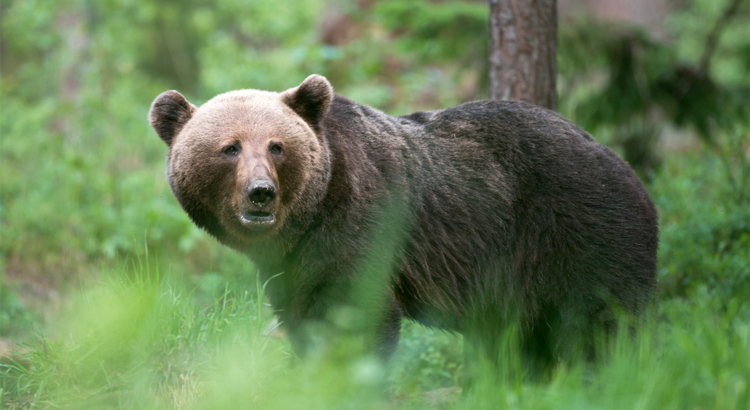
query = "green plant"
{"x": 135, "y": 340}
{"x": 14, "y": 316}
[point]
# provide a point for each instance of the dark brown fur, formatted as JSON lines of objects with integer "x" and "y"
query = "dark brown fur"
{"x": 486, "y": 214}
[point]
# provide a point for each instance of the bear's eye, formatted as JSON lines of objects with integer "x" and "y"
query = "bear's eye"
{"x": 232, "y": 150}
{"x": 274, "y": 148}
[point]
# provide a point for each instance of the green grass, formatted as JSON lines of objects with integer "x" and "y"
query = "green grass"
{"x": 140, "y": 340}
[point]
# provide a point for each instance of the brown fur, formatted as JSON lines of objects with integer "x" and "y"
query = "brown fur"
{"x": 480, "y": 215}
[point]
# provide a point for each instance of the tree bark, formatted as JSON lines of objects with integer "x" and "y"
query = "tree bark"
{"x": 523, "y": 49}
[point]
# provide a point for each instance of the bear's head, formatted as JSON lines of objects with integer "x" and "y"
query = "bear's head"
{"x": 246, "y": 161}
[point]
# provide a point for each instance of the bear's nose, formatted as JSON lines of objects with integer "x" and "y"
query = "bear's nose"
{"x": 261, "y": 192}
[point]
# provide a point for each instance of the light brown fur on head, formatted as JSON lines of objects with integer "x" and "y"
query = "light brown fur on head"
{"x": 218, "y": 151}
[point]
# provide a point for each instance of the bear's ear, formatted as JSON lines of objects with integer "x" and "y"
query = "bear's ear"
{"x": 311, "y": 99}
{"x": 169, "y": 113}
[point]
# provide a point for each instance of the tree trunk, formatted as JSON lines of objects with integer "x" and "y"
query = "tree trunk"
{"x": 523, "y": 47}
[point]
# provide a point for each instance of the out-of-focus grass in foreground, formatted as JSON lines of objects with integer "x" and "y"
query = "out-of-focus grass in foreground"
{"x": 140, "y": 340}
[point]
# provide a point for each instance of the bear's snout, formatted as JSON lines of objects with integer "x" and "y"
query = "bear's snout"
{"x": 261, "y": 192}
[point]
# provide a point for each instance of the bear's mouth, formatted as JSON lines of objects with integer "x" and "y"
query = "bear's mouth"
{"x": 257, "y": 218}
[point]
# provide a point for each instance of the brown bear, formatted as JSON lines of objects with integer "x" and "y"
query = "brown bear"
{"x": 469, "y": 218}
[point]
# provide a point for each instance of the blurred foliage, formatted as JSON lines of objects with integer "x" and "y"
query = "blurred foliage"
{"x": 137, "y": 341}
{"x": 705, "y": 233}
{"x": 642, "y": 84}
{"x": 81, "y": 184}
{"x": 426, "y": 359}
{"x": 15, "y": 318}
{"x": 448, "y": 32}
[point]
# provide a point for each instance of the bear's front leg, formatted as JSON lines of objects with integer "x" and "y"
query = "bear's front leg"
{"x": 388, "y": 335}
{"x": 343, "y": 330}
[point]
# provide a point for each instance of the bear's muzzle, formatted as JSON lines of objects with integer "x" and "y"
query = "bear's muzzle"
{"x": 261, "y": 194}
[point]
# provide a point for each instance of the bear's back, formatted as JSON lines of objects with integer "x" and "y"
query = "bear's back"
{"x": 526, "y": 193}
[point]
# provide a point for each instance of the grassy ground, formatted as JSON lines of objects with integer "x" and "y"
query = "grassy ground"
{"x": 137, "y": 341}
